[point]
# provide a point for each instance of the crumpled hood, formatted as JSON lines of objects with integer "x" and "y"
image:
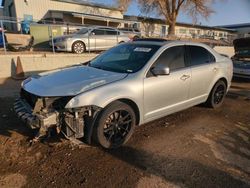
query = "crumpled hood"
{"x": 70, "y": 81}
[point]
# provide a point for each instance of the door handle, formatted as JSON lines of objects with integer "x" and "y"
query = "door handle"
{"x": 215, "y": 69}
{"x": 185, "y": 77}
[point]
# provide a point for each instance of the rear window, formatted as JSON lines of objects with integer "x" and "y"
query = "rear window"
{"x": 112, "y": 32}
{"x": 200, "y": 55}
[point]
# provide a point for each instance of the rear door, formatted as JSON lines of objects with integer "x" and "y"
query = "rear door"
{"x": 168, "y": 93}
{"x": 111, "y": 37}
{"x": 204, "y": 69}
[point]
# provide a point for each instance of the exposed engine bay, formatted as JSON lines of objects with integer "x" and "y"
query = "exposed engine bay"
{"x": 48, "y": 113}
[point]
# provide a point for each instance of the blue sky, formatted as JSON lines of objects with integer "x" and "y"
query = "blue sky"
{"x": 226, "y": 12}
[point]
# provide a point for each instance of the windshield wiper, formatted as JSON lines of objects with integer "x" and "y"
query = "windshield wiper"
{"x": 97, "y": 67}
{"x": 109, "y": 69}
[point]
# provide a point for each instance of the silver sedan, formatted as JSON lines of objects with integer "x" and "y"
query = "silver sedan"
{"x": 128, "y": 85}
{"x": 90, "y": 39}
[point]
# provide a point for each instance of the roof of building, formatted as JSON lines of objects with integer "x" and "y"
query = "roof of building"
{"x": 161, "y": 21}
{"x": 84, "y": 2}
{"x": 98, "y": 17}
{"x": 235, "y": 26}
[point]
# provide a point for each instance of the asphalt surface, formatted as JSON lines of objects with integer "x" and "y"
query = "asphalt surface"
{"x": 198, "y": 147}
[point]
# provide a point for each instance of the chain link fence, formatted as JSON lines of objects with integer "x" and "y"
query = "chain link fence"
{"x": 45, "y": 36}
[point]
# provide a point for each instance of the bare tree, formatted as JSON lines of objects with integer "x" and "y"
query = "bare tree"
{"x": 170, "y": 9}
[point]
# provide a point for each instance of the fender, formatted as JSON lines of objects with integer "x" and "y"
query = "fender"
{"x": 106, "y": 94}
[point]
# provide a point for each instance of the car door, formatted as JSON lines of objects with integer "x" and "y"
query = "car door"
{"x": 168, "y": 93}
{"x": 111, "y": 37}
{"x": 97, "y": 39}
{"x": 203, "y": 70}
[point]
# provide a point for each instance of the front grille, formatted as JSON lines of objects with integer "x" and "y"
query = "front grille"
{"x": 30, "y": 98}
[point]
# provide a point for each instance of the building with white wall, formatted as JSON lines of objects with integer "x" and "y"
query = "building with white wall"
{"x": 243, "y": 30}
{"x": 157, "y": 27}
{"x": 65, "y": 11}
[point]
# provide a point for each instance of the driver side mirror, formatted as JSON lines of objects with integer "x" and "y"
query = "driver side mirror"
{"x": 160, "y": 70}
{"x": 93, "y": 33}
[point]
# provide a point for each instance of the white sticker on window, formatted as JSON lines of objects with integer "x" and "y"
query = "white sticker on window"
{"x": 141, "y": 49}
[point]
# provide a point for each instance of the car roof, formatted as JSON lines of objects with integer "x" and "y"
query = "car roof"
{"x": 98, "y": 27}
{"x": 179, "y": 42}
{"x": 163, "y": 42}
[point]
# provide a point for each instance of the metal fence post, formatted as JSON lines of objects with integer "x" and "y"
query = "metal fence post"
{"x": 4, "y": 44}
{"x": 89, "y": 40}
{"x": 52, "y": 39}
{"x": 117, "y": 33}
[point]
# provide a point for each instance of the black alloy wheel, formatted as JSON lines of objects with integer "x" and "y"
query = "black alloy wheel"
{"x": 115, "y": 125}
{"x": 217, "y": 95}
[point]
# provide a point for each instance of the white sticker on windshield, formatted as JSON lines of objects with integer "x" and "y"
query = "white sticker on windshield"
{"x": 141, "y": 49}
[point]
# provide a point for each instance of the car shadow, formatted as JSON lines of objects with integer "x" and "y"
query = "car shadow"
{"x": 176, "y": 170}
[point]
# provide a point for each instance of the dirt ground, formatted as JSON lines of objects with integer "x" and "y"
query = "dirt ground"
{"x": 198, "y": 147}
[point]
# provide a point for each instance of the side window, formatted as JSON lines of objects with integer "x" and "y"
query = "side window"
{"x": 200, "y": 55}
{"x": 111, "y": 32}
{"x": 98, "y": 31}
{"x": 172, "y": 57}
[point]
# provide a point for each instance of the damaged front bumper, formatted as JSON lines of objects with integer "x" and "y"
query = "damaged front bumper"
{"x": 24, "y": 112}
{"x": 72, "y": 123}
{"x": 34, "y": 121}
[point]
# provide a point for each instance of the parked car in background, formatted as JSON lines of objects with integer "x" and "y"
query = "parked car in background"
{"x": 132, "y": 33}
{"x": 90, "y": 38}
{"x": 128, "y": 85}
{"x": 206, "y": 37}
{"x": 241, "y": 59}
{"x": 1, "y": 38}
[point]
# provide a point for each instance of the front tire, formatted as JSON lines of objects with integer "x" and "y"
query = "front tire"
{"x": 115, "y": 125}
{"x": 78, "y": 47}
{"x": 217, "y": 95}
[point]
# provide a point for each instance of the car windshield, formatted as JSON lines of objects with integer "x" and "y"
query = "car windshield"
{"x": 125, "y": 58}
{"x": 83, "y": 31}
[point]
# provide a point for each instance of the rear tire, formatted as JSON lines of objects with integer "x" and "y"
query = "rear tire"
{"x": 217, "y": 95}
{"x": 115, "y": 125}
{"x": 78, "y": 47}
